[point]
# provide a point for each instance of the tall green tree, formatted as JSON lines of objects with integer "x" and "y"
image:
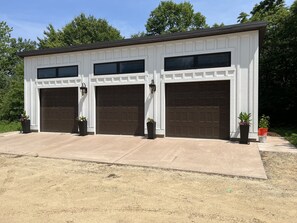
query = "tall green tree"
{"x": 11, "y": 73}
{"x": 81, "y": 30}
{"x": 278, "y": 61}
{"x": 5, "y": 51}
{"x": 12, "y": 103}
{"x": 170, "y": 17}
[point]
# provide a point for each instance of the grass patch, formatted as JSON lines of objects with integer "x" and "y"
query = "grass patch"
{"x": 6, "y": 126}
{"x": 289, "y": 134}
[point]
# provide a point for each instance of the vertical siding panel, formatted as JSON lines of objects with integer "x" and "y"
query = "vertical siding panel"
{"x": 244, "y": 69}
{"x": 117, "y": 54}
{"x": 66, "y": 59}
{"x": 133, "y": 52}
{"x": 179, "y": 48}
{"x": 32, "y": 105}
{"x": 125, "y": 53}
{"x": 221, "y": 43}
{"x": 233, "y": 121}
{"x": 142, "y": 51}
{"x": 94, "y": 56}
{"x": 157, "y": 76}
{"x": 39, "y": 61}
{"x": 109, "y": 55}
{"x": 231, "y": 43}
{"x": 44, "y": 61}
{"x": 53, "y": 60}
{"x": 210, "y": 44}
{"x": 256, "y": 81}
{"x": 59, "y": 60}
{"x": 73, "y": 58}
{"x": 189, "y": 46}
{"x": 150, "y": 60}
{"x": 27, "y": 64}
{"x": 101, "y": 56}
{"x": 250, "y": 81}
{"x": 151, "y": 66}
{"x": 199, "y": 45}
{"x": 170, "y": 48}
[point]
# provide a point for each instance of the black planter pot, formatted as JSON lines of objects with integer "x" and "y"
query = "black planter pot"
{"x": 151, "y": 130}
{"x": 26, "y": 126}
{"x": 244, "y": 134}
{"x": 83, "y": 128}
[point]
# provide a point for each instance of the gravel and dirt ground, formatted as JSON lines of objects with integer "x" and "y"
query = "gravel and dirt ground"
{"x": 34, "y": 189}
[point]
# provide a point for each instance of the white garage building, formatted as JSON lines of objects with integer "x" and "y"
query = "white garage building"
{"x": 203, "y": 80}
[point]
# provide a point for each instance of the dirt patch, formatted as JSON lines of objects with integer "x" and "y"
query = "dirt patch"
{"x": 48, "y": 190}
{"x": 281, "y": 169}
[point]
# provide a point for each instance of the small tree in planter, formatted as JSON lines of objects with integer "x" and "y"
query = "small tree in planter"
{"x": 244, "y": 124}
{"x": 263, "y": 127}
{"x": 25, "y": 121}
{"x": 82, "y": 125}
{"x": 151, "y": 128}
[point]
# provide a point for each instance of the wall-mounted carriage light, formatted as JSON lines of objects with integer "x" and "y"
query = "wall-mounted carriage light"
{"x": 83, "y": 89}
{"x": 152, "y": 87}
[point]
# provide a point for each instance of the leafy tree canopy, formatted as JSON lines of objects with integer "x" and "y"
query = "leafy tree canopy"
{"x": 12, "y": 103}
{"x": 11, "y": 72}
{"x": 139, "y": 34}
{"x": 243, "y": 17}
{"x": 278, "y": 60}
{"x": 81, "y": 30}
{"x": 170, "y": 17}
{"x": 4, "y": 51}
{"x": 267, "y": 7}
{"x": 9, "y": 47}
{"x": 216, "y": 25}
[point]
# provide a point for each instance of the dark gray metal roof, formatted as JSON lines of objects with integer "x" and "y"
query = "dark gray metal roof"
{"x": 261, "y": 26}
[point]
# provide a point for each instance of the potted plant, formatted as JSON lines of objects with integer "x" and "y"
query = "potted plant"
{"x": 25, "y": 122}
{"x": 82, "y": 125}
{"x": 263, "y": 128}
{"x": 244, "y": 124}
{"x": 151, "y": 128}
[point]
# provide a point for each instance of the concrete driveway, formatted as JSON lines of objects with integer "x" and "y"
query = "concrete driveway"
{"x": 201, "y": 155}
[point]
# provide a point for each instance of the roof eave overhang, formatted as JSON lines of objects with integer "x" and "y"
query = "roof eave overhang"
{"x": 260, "y": 26}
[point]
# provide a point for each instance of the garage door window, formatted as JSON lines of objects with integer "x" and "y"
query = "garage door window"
{"x": 124, "y": 67}
{"x": 198, "y": 61}
{"x": 57, "y": 72}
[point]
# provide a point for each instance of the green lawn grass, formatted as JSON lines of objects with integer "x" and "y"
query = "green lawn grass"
{"x": 288, "y": 133}
{"x": 6, "y": 126}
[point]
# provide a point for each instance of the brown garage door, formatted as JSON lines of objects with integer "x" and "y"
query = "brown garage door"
{"x": 198, "y": 110}
{"x": 120, "y": 110}
{"x": 59, "y": 110}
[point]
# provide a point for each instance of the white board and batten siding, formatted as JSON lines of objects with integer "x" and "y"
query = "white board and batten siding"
{"x": 243, "y": 75}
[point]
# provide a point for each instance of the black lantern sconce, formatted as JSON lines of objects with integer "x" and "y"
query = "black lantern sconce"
{"x": 152, "y": 87}
{"x": 83, "y": 89}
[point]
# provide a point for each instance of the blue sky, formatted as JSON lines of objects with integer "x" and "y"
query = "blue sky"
{"x": 29, "y": 18}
